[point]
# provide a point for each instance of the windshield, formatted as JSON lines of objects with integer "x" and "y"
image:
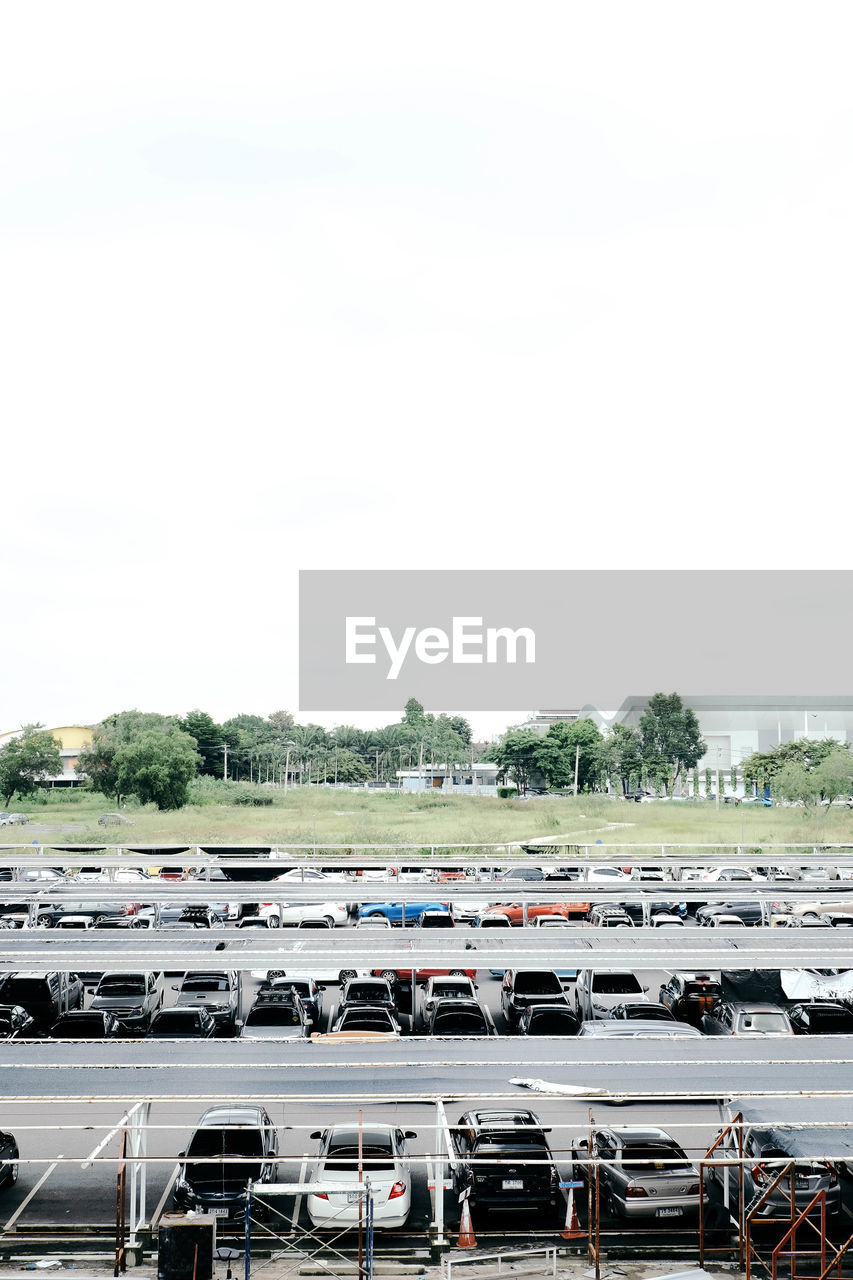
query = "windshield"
{"x": 372, "y": 1157}
{"x": 177, "y": 1021}
{"x": 552, "y": 1023}
{"x": 763, "y": 1022}
{"x": 367, "y": 991}
{"x": 538, "y": 984}
{"x": 616, "y": 984}
{"x": 653, "y": 1158}
{"x": 224, "y": 1142}
{"x": 205, "y": 984}
{"x": 121, "y": 986}
{"x": 275, "y": 1016}
{"x": 459, "y": 1024}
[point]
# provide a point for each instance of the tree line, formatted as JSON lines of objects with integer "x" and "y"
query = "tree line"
{"x": 155, "y": 757}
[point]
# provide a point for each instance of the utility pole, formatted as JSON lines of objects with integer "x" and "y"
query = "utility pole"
{"x": 577, "y": 763}
{"x": 224, "y": 746}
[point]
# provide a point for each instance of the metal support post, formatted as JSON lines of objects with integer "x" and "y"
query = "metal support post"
{"x": 247, "y": 1245}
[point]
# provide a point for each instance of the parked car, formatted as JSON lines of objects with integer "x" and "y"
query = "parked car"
{"x": 606, "y": 917}
{"x": 370, "y": 992}
{"x": 241, "y": 1132}
{"x": 181, "y": 1024}
{"x": 514, "y": 911}
{"x": 523, "y": 987}
{"x": 448, "y": 988}
{"x": 436, "y": 920}
{"x": 367, "y": 1018}
{"x": 688, "y": 995}
{"x": 641, "y": 1028}
{"x": 503, "y": 1160}
{"x": 821, "y": 1018}
{"x": 734, "y": 1018}
{"x": 15, "y": 1022}
{"x": 647, "y": 1010}
{"x": 216, "y": 990}
{"x": 133, "y": 998}
{"x": 85, "y": 1024}
{"x": 768, "y": 1146}
{"x": 309, "y": 992}
{"x": 381, "y": 1151}
{"x": 748, "y": 912}
{"x": 644, "y": 1172}
{"x": 597, "y": 991}
{"x": 547, "y": 1020}
{"x": 393, "y": 911}
{"x": 44, "y": 995}
{"x": 9, "y": 1155}
{"x": 277, "y": 1015}
{"x": 454, "y": 1017}
{"x": 495, "y": 920}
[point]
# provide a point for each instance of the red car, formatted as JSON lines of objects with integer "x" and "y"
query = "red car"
{"x": 421, "y": 975}
{"x": 514, "y": 911}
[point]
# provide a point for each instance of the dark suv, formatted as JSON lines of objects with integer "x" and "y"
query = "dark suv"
{"x": 523, "y": 987}
{"x": 44, "y": 995}
{"x": 503, "y": 1160}
{"x": 689, "y": 995}
{"x": 244, "y": 1133}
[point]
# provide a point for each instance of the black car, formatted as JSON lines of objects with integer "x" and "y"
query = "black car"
{"x": 521, "y": 987}
{"x": 44, "y": 995}
{"x": 688, "y": 995}
{"x": 373, "y": 992}
{"x": 639, "y": 1009}
{"x": 207, "y": 1181}
{"x": 15, "y": 1022}
{"x": 182, "y": 1024}
{"x": 821, "y": 1018}
{"x": 547, "y": 1020}
{"x": 503, "y": 1160}
{"x": 8, "y": 1159}
{"x": 309, "y": 992}
{"x": 748, "y": 912}
{"x": 86, "y": 1024}
{"x": 454, "y": 1017}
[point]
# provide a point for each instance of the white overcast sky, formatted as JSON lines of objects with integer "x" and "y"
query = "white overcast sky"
{"x": 367, "y": 285}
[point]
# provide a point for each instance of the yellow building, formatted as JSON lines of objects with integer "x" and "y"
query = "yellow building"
{"x": 72, "y": 738}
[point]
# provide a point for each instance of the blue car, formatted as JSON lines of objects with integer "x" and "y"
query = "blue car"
{"x": 393, "y": 911}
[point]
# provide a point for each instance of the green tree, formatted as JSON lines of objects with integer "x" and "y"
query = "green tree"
{"x": 209, "y": 738}
{"x": 563, "y": 744}
{"x": 157, "y": 766}
{"x": 762, "y": 767}
{"x": 98, "y": 761}
{"x": 461, "y": 728}
{"x": 620, "y": 755}
{"x": 518, "y": 756}
{"x": 670, "y": 739}
{"x": 834, "y": 775}
{"x": 797, "y": 783}
{"x": 350, "y": 767}
{"x": 413, "y": 714}
{"x": 26, "y": 760}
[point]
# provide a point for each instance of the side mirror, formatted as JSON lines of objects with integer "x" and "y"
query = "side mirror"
{"x": 316, "y": 1135}
{"x": 410, "y": 1133}
{"x": 181, "y": 1155}
{"x": 176, "y": 986}
{"x": 645, "y": 988}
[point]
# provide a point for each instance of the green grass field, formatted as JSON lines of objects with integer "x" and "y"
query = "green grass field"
{"x": 312, "y": 815}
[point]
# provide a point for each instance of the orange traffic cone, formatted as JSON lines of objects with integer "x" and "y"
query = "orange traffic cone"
{"x": 572, "y": 1230}
{"x": 467, "y": 1239}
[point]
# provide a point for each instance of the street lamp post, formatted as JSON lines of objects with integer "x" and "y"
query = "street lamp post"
{"x": 287, "y": 745}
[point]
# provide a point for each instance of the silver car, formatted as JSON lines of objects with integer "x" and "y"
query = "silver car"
{"x": 644, "y": 1173}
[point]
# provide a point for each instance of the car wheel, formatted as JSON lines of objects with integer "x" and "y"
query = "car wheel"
{"x": 457, "y": 973}
{"x": 346, "y": 974}
{"x": 274, "y": 922}
{"x": 330, "y": 921}
{"x": 389, "y": 975}
{"x": 376, "y": 915}
{"x": 12, "y": 1175}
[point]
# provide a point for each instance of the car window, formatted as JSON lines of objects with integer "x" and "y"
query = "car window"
{"x": 653, "y": 1157}
{"x": 205, "y": 984}
{"x": 274, "y": 1016}
{"x": 615, "y": 984}
{"x": 537, "y": 984}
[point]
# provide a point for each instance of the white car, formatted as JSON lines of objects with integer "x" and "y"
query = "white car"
{"x": 384, "y": 1160}
{"x": 731, "y": 873}
{"x": 598, "y": 991}
{"x": 604, "y": 875}
{"x": 296, "y": 912}
{"x": 311, "y": 875}
{"x": 465, "y": 908}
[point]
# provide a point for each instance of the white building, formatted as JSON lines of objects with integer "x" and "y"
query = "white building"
{"x": 469, "y": 780}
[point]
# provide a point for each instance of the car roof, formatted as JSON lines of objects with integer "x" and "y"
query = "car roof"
{"x": 215, "y": 1117}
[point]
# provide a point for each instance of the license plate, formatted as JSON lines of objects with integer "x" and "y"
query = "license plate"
{"x": 668, "y": 1213}
{"x": 353, "y": 1197}
{"x": 513, "y": 1184}
{"x": 219, "y": 1213}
